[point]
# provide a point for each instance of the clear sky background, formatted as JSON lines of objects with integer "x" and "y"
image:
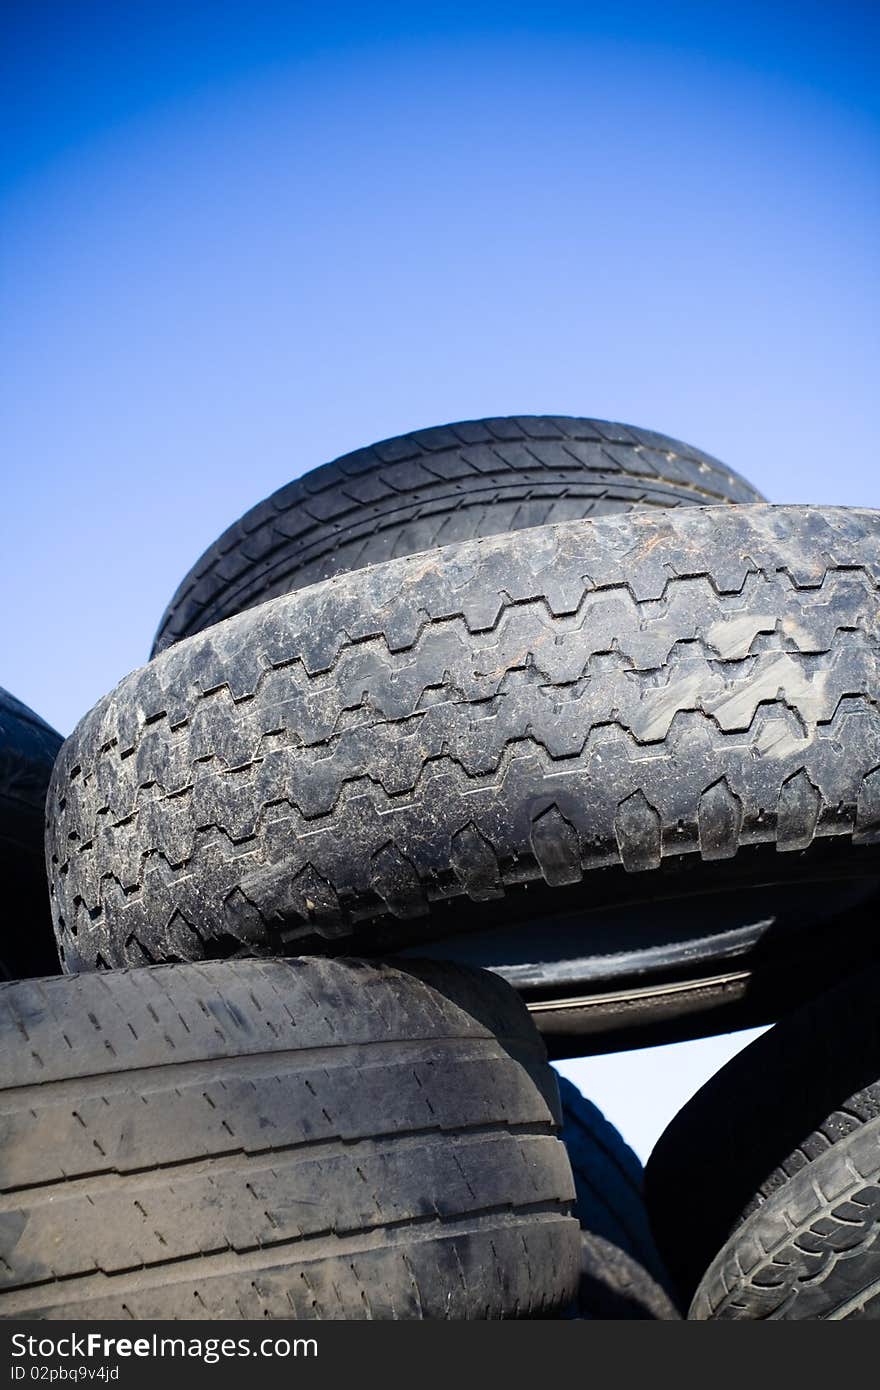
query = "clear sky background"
{"x": 239, "y": 239}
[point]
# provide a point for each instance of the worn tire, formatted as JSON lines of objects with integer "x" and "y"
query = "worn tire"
{"x": 622, "y": 1275}
{"x": 615, "y": 1287}
{"x": 281, "y": 1139}
{"x": 655, "y": 703}
{"x": 451, "y": 483}
{"x": 28, "y": 748}
{"x": 764, "y": 1192}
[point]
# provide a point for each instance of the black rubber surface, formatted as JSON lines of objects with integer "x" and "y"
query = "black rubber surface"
{"x": 623, "y": 1276}
{"x": 614, "y": 1287}
{"x": 282, "y": 1139}
{"x": 607, "y": 979}
{"x": 434, "y": 486}
{"x": 513, "y": 724}
{"x": 764, "y": 1192}
{"x": 28, "y": 748}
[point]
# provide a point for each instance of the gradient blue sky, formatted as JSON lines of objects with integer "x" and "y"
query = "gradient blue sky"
{"x": 237, "y": 240}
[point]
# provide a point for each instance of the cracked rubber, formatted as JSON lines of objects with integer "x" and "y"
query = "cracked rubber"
{"x": 622, "y": 1275}
{"x": 28, "y": 748}
{"x": 510, "y": 725}
{"x": 280, "y": 1139}
{"x": 770, "y": 1175}
{"x": 432, "y": 487}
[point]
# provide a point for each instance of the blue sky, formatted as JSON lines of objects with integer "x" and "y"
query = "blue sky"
{"x": 238, "y": 240}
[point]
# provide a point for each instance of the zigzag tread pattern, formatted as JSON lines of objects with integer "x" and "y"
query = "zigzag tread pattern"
{"x": 615, "y": 692}
{"x": 294, "y": 1125}
{"x": 445, "y": 484}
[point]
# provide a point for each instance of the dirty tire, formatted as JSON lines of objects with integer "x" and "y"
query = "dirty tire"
{"x": 28, "y": 748}
{"x": 280, "y": 1139}
{"x": 617, "y": 1288}
{"x": 764, "y": 1192}
{"x": 647, "y": 695}
{"x": 622, "y": 1275}
{"x": 432, "y": 487}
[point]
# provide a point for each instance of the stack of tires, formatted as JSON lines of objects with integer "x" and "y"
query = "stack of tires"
{"x": 508, "y": 728}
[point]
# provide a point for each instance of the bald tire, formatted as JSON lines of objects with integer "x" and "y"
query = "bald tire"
{"x": 284, "y": 1139}
{"x": 434, "y": 487}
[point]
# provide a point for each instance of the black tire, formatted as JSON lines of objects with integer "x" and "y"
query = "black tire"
{"x": 622, "y": 1274}
{"x": 283, "y": 1139}
{"x": 663, "y": 697}
{"x": 432, "y": 487}
{"x": 690, "y": 967}
{"x": 28, "y": 748}
{"x": 770, "y": 1175}
{"x": 616, "y": 1288}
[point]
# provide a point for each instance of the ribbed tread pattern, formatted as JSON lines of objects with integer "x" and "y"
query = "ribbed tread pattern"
{"x": 517, "y": 711}
{"x": 289, "y": 1139}
{"x": 433, "y": 487}
{"x": 608, "y": 1177}
{"x": 623, "y": 1275}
